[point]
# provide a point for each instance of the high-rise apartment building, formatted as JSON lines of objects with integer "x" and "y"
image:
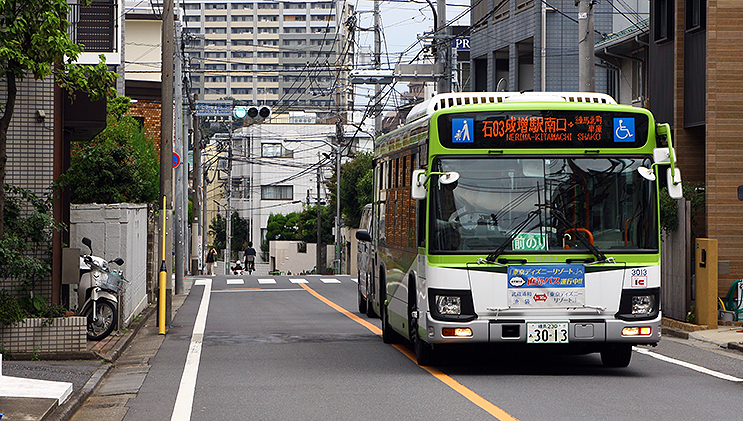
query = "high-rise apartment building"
{"x": 290, "y": 55}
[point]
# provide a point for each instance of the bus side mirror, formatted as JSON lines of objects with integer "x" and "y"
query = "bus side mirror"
{"x": 363, "y": 235}
{"x": 675, "y": 189}
{"x": 418, "y": 185}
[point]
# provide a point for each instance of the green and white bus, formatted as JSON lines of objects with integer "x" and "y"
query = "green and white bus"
{"x": 520, "y": 218}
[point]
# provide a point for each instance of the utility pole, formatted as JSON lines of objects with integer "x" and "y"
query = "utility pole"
{"x": 443, "y": 47}
{"x": 178, "y": 195}
{"x": 338, "y": 243}
{"x": 166, "y": 146}
{"x": 196, "y": 198}
{"x": 320, "y": 263}
{"x": 228, "y": 192}
{"x": 586, "y": 57}
{"x": 377, "y": 66}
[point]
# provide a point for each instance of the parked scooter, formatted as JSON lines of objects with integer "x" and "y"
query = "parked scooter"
{"x": 98, "y": 289}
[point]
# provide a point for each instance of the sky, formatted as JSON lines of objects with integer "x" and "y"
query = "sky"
{"x": 402, "y": 23}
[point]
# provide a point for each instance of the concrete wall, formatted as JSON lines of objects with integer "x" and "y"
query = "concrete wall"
{"x": 117, "y": 230}
{"x": 285, "y": 257}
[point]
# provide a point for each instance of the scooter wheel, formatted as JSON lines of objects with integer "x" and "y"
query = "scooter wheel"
{"x": 104, "y": 323}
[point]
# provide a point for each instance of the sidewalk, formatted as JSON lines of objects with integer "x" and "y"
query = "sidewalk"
{"x": 82, "y": 374}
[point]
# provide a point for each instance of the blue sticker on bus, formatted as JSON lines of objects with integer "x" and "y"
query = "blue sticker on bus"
{"x": 462, "y": 130}
{"x": 624, "y": 129}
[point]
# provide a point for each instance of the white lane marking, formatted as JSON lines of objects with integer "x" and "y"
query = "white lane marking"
{"x": 688, "y": 365}
{"x": 265, "y": 281}
{"x": 184, "y": 400}
{"x": 236, "y": 281}
{"x": 230, "y": 291}
{"x": 298, "y": 281}
{"x": 330, "y": 281}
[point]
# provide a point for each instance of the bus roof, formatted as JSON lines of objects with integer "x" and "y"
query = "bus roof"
{"x": 454, "y": 99}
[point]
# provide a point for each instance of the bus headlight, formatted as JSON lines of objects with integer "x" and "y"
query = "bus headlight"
{"x": 449, "y": 305}
{"x": 638, "y": 305}
{"x": 643, "y": 305}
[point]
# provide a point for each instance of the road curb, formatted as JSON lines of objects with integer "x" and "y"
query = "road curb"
{"x": 68, "y": 409}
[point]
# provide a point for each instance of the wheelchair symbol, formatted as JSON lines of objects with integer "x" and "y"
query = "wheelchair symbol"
{"x": 624, "y": 130}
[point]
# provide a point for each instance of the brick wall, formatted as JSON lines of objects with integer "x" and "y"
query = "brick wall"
{"x": 150, "y": 111}
{"x": 63, "y": 334}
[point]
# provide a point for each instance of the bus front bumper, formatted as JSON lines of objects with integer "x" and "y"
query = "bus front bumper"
{"x": 510, "y": 330}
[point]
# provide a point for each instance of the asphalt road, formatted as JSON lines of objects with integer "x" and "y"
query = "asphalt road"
{"x": 280, "y": 352}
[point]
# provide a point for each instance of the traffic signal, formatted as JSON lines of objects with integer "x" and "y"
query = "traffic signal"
{"x": 256, "y": 113}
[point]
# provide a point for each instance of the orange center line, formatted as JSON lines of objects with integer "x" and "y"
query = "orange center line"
{"x": 473, "y": 397}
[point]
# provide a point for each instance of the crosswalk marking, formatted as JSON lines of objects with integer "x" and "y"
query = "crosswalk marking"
{"x": 235, "y": 282}
{"x": 266, "y": 281}
{"x": 330, "y": 281}
{"x": 298, "y": 280}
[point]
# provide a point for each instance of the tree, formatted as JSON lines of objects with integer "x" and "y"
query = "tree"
{"x": 356, "y": 188}
{"x": 119, "y": 165}
{"x": 240, "y": 230}
{"x": 300, "y": 226}
{"x": 34, "y": 42}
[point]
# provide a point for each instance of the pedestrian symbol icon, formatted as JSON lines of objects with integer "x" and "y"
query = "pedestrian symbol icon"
{"x": 462, "y": 129}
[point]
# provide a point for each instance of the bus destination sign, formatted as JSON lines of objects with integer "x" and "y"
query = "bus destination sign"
{"x": 546, "y": 129}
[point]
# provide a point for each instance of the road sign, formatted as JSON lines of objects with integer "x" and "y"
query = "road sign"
{"x": 176, "y": 159}
{"x": 213, "y": 108}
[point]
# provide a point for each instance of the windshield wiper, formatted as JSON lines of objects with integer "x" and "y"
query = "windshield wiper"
{"x": 516, "y": 231}
{"x": 600, "y": 257}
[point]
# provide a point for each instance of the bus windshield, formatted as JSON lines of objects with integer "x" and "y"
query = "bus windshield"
{"x": 539, "y": 205}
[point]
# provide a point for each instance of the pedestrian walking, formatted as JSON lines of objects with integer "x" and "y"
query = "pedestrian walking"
{"x": 250, "y": 257}
{"x": 211, "y": 257}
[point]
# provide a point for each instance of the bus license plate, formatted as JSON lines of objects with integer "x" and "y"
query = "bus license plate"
{"x": 547, "y": 333}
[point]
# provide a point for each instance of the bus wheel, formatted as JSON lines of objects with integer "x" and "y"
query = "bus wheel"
{"x": 424, "y": 353}
{"x": 616, "y": 355}
{"x": 389, "y": 336}
{"x": 360, "y": 297}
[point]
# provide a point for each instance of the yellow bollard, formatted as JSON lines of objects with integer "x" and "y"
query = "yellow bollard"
{"x": 163, "y": 278}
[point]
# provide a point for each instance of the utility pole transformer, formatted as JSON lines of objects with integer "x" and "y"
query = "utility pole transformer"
{"x": 586, "y": 57}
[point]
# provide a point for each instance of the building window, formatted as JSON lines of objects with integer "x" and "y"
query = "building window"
{"x": 295, "y": 18}
{"x": 241, "y": 42}
{"x": 216, "y": 42}
{"x": 695, "y": 15}
{"x": 523, "y": 5}
{"x": 215, "y": 79}
{"x": 242, "y": 30}
{"x": 663, "y": 20}
{"x": 275, "y": 150}
{"x": 242, "y": 79}
{"x": 215, "y": 91}
{"x": 242, "y": 54}
{"x": 268, "y": 18}
{"x": 288, "y": 5}
{"x": 502, "y": 10}
{"x": 193, "y": 18}
{"x": 192, "y": 6}
{"x": 295, "y": 30}
{"x": 268, "y": 5}
{"x": 215, "y": 30}
{"x": 215, "y": 54}
{"x": 277, "y": 192}
{"x": 242, "y": 18}
{"x": 215, "y": 6}
{"x": 242, "y": 91}
{"x": 215, "y": 18}
{"x": 242, "y": 6}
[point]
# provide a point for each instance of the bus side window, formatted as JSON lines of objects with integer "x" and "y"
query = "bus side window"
{"x": 421, "y": 211}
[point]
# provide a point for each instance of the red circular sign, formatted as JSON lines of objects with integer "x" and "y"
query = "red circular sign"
{"x": 176, "y": 159}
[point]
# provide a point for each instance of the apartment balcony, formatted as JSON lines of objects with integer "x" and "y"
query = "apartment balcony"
{"x": 97, "y": 27}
